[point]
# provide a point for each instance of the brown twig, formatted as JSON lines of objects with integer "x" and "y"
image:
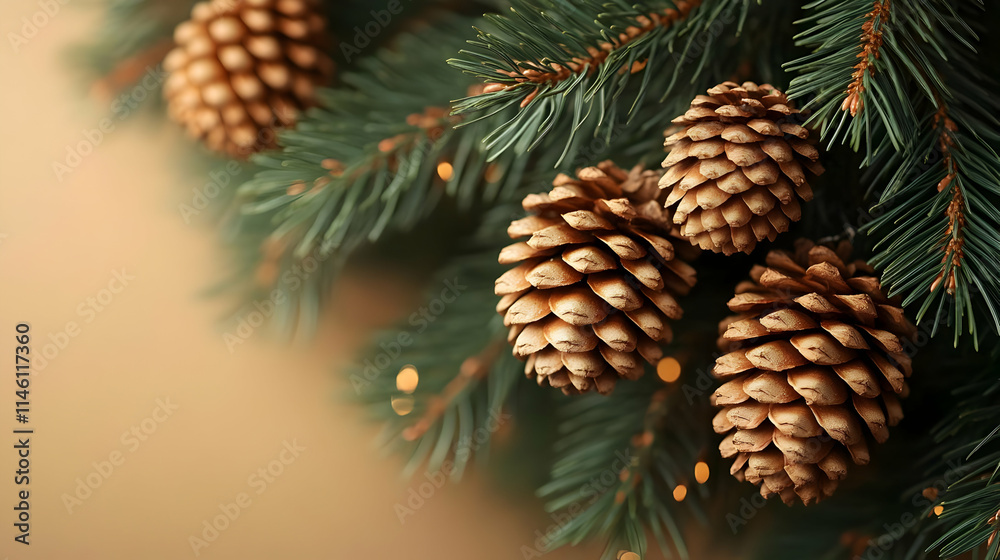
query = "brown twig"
{"x": 472, "y": 369}
{"x": 554, "y": 73}
{"x": 131, "y": 69}
{"x": 953, "y": 254}
{"x": 871, "y": 42}
{"x": 643, "y": 441}
{"x": 431, "y": 123}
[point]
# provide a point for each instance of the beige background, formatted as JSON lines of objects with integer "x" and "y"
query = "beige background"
{"x": 159, "y": 338}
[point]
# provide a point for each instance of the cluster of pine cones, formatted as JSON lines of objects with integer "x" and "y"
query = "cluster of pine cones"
{"x": 814, "y": 361}
{"x": 815, "y": 358}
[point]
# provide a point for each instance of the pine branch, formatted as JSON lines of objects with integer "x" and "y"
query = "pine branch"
{"x": 871, "y": 41}
{"x": 967, "y": 518}
{"x": 466, "y": 372}
{"x": 550, "y": 59}
{"x": 856, "y": 102}
{"x": 921, "y": 107}
{"x": 939, "y": 229}
{"x": 379, "y": 156}
{"x": 619, "y": 465}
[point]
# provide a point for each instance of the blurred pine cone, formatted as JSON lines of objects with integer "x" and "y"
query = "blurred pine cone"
{"x": 817, "y": 360}
{"x": 595, "y": 285}
{"x": 243, "y": 69}
{"x": 735, "y": 171}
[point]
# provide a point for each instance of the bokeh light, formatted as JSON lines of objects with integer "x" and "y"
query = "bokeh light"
{"x": 669, "y": 369}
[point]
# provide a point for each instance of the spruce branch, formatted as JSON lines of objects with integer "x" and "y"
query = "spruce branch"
{"x": 472, "y": 370}
{"x": 596, "y": 56}
{"x": 925, "y": 116}
{"x": 954, "y": 238}
{"x": 834, "y": 85}
{"x": 938, "y": 233}
{"x": 871, "y": 40}
{"x": 556, "y": 60}
{"x": 465, "y": 375}
{"x": 379, "y": 155}
{"x": 625, "y": 439}
{"x": 965, "y": 512}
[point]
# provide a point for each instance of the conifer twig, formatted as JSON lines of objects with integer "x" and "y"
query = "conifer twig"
{"x": 954, "y": 235}
{"x": 871, "y": 42}
{"x": 552, "y": 74}
{"x": 473, "y": 369}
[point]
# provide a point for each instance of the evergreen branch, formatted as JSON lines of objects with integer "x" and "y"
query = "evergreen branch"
{"x": 472, "y": 370}
{"x": 555, "y": 73}
{"x": 619, "y": 465}
{"x": 967, "y": 514}
{"x": 835, "y": 87}
{"x": 939, "y": 230}
{"x": 919, "y": 104}
{"x": 378, "y": 156}
{"x": 871, "y": 41}
{"x": 465, "y": 376}
{"x": 954, "y": 238}
{"x": 553, "y": 60}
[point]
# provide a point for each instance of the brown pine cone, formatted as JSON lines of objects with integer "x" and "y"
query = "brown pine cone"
{"x": 596, "y": 283}
{"x": 243, "y": 69}
{"x": 738, "y": 140}
{"x": 816, "y": 361}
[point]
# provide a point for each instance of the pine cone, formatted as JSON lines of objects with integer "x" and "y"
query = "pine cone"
{"x": 817, "y": 355}
{"x": 596, "y": 282}
{"x": 738, "y": 140}
{"x": 244, "y": 68}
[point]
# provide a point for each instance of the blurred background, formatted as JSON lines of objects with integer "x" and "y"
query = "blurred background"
{"x": 145, "y": 420}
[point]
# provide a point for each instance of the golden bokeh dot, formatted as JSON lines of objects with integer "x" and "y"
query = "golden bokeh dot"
{"x": 407, "y": 379}
{"x": 445, "y": 171}
{"x": 628, "y": 556}
{"x": 938, "y": 510}
{"x": 680, "y": 492}
{"x": 669, "y": 369}
{"x": 701, "y": 472}
{"x": 402, "y": 405}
